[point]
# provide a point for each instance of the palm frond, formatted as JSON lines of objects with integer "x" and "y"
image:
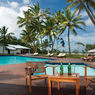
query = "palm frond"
{"x": 74, "y": 32}
{"x": 73, "y": 4}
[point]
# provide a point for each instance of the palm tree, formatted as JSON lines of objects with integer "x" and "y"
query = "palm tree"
{"x": 80, "y": 44}
{"x": 28, "y": 36}
{"x": 50, "y": 30}
{"x": 70, "y": 23}
{"x": 4, "y": 36}
{"x": 84, "y": 4}
{"x": 33, "y": 19}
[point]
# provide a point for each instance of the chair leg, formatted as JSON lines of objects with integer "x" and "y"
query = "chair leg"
{"x": 85, "y": 83}
{"x": 45, "y": 80}
{"x": 26, "y": 81}
{"x": 53, "y": 83}
{"x": 30, "y": 85}
{"x": 58, "y": 85}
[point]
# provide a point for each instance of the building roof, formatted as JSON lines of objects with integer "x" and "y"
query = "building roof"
{"x": 10, "y": 48}
{"x": 17, "y": 46}
{"x": 93, "y": 50}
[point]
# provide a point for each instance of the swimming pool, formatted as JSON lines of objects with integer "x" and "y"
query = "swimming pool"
{"x": 5, "y": 60}
{"x": 78, "y": 69}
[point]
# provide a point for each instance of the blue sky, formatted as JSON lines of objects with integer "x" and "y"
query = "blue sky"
{"x": 11, "y": 9}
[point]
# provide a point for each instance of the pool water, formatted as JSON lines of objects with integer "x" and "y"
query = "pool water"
{"x": 5, "y": 60}
{"x": 78, "y": 69}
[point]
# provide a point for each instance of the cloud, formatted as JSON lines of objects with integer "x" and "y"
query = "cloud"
{"x": 84, "y": 14}
{"x": 26, "y": 1}
{"x": 9, "y": 19}
{"x": 86, "y": 39}
{"x": 88, "y": 22}
{"x": 23, "y": 8}
{"x": 13, "y": 4}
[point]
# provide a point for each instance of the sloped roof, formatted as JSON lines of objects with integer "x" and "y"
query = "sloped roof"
{"x": 18, "y": 46}
{"x": 92, "y": 50}
{"x": 10, "y": 48}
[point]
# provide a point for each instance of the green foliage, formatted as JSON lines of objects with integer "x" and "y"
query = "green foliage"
{"x": 80, "y": 43}
{"x": 89, "y": 47}
{"x": 70, "y": 22}
{"x": 76, "y": 55}
{"x": 88, "y": 5}
{"x": 75, "y": 51}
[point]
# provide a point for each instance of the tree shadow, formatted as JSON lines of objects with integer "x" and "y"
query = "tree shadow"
{"x": 7, "y": 75}
{"x": 13, "y": 89}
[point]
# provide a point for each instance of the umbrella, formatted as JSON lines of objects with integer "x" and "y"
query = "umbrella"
{"x": 92, "y": 50}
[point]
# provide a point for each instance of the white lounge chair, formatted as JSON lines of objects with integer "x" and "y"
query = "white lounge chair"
{"x": 61, "y": 55}
{"x": 28, "y": 54}
{"x": 35, "y": 54}
{"x": 50, "y": 54}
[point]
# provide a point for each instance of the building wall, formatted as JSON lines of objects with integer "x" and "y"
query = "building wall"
{"x": 11, "y": 51}
{"x": 1, "y": 50}
{"x": 15, "y": 52}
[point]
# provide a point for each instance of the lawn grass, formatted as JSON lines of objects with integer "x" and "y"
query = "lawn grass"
{"x": 76, "y": 55}
{"x": 67, "y": 55}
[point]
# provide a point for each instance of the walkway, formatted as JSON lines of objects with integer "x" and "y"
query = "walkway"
{"x": 12, "y": 82}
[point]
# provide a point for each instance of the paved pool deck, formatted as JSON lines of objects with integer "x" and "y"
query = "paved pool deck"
{"x": 12, "y": 82}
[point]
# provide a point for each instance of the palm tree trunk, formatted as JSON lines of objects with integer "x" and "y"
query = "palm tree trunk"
{"x": 69, "y": 43}
{"x": 3, "y": 49}
{"x": 52, "y": 46}
{"x": 90, "y": 10}
{"x": 3, "y": 44}
{"x": 92, "y": 19}
{"x": 41, "y": 45}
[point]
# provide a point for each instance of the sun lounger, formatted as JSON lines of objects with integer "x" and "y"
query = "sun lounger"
{"x": 50, "y": 54}
{"x": 28, "y": 54}
{"x": 35, "y": 54}
{"x": 61, "y": 55}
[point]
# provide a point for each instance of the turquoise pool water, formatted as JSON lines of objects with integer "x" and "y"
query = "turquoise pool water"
{"x": 5, "y": 60}
{"x": 78, "y": 69}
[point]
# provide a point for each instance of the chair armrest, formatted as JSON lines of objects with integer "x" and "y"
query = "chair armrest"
{"x": 52, "y": 67}
{"x": 89, "y": 66}
{"x": 85, "y": 68}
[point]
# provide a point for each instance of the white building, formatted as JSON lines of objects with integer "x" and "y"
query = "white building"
{"x": 14, "y": 49}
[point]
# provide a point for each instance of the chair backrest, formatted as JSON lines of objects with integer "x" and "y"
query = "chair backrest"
{"x": 38, "y": 67}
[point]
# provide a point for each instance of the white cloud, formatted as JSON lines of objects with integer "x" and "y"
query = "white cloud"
{"x": 84, "y": 14}
{"x": 23, "y": 8}
{"x": 26, "y": 1}
{"x": 13, "y": 4}
{"x": 88, "y": 22}
{"x": 9, "y": 19}
{"x": 87, "y": 39}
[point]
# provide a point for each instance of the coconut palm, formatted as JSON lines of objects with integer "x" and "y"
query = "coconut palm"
{"x": 80, "y": 44}
{"x": 84, "y": 4}
{"x": 28, "y": 36}
{"x": 5, "y": 36}
{"x": 70, "y": 23}
{"x": 33, "y": 19}
{"x": 50, "y": 30}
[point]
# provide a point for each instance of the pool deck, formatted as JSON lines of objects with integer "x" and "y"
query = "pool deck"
{"x": 12, "y": 82}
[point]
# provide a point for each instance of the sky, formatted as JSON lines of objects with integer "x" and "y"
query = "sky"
{"x": 11, "y": 9}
